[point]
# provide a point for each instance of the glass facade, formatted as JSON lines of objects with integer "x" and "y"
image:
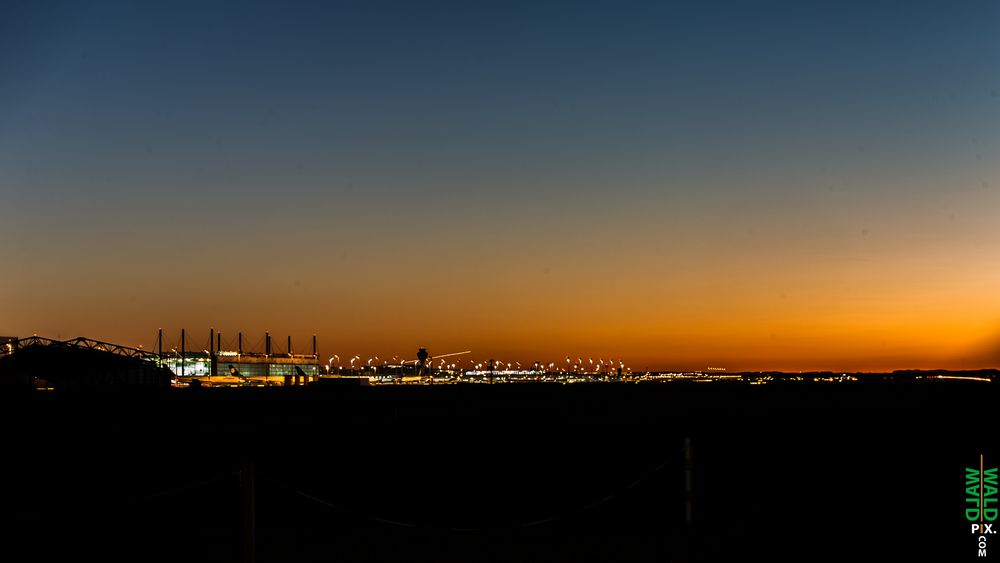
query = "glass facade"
{"x": 198, "y": 366}
{"x": 248, "y": 367}
{"x": 259, "y": 369}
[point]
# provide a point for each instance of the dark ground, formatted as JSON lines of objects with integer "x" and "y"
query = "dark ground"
{"x": 520, "y": 472}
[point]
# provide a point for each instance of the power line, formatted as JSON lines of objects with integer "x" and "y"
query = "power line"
{"x": 121, "y": 501}
{"x": 527, "y": 524}
{"x": 337, "y": 506}
{"x": 180, "y": 488}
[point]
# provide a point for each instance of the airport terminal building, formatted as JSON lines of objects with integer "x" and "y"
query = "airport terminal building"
{"x": 217, "y": 366}
{"x": 82, "y": 363}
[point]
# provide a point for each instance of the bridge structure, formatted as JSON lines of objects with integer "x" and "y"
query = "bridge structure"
{"x": 41, "y": 363}
{"x": 84, "y": 343}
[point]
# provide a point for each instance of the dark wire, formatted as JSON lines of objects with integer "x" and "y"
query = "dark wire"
{"x": 181, "y": 488}
{"x": 130, "y": 500}
{"x": 528, "y": 524}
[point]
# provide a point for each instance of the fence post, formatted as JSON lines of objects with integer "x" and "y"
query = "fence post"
{"x": 247, "y": 482}
{"x": 688, "y": 481}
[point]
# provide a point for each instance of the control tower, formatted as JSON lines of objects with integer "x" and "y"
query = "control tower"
{"x": 422, "y": 361}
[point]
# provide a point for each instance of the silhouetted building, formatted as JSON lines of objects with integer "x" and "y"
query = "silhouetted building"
{"x": 52, "y": 364}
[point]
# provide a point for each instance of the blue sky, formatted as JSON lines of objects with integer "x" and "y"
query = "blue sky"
{"x": 147, "y": 147}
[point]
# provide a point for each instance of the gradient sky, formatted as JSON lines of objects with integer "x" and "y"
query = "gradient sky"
{"x": 787, "y": 185}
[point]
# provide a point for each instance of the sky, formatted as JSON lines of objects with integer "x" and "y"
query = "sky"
{"x": 766, "y": 185}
